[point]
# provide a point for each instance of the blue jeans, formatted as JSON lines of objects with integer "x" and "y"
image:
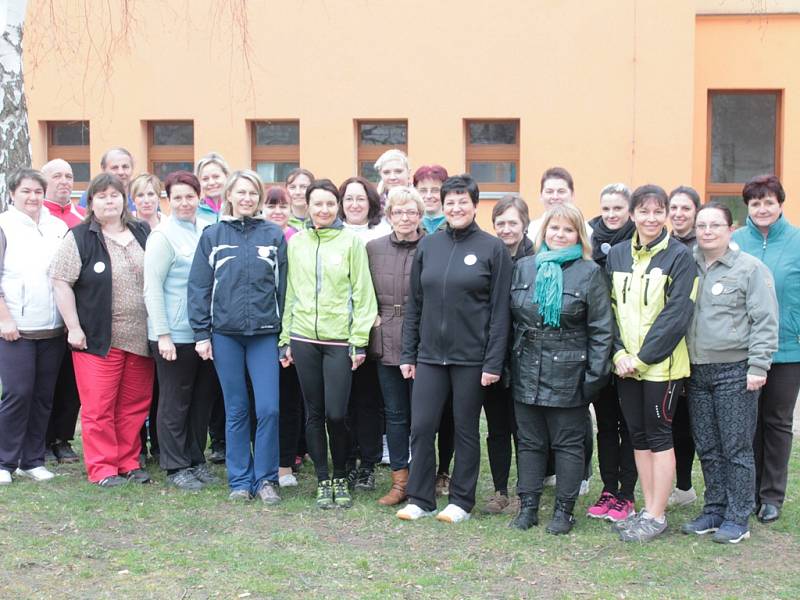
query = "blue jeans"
{"x": 247, "y": 470}
{"x": 397, "y": 408}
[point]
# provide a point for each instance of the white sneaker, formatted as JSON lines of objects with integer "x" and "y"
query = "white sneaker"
{"x": 680, "y": 497}
{"x": 5, "y": 477}
{"x": 453, "y": 514}
{"x": 385, "y": 457}
{"x": 36, "y": 473}
{"x": 412, "y": 512}
{"x": 550, "y": 481}
{"x": 584, "y": 488}
{"x": 287, "y": 480}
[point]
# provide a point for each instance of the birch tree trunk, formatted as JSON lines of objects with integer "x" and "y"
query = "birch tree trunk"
{"x": 15, "y": 139}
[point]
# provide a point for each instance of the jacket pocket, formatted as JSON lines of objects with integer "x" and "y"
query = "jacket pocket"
{"x": 519, "y": 292}
{"x": 569, "y": 370}
{"x": 572, "y": 302}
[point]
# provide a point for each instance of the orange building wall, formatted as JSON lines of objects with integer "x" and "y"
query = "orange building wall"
{"x": 603, "y": 88}
{"x": 751, "y": 52}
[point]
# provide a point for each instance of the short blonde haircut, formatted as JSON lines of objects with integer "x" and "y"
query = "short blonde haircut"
{"x": 252, "y": 177}
{"x": 390, "y": 155}
{"x": 402, "y": 194}
{"x": 573, "y": 215}
{"x": 140, "y": 183}
{"x": 212, "y": 158}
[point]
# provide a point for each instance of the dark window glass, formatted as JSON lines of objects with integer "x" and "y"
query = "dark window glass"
{"x": 367, "y": 170}
{"x": 173, "y": 134}
{"x": 274, "y": 172}
{"x": 162, "y": 169}
{"x": 494, "y": 172}
{"x": 75, "y": 133}
{"x": 277, "y": 134}
{"x": 492, "y": 133}
{"x": 80, "y": 171}
{"x": 743, "y": 129}
{"x": 383, "y": 134}
{"x": 736, "y": 205}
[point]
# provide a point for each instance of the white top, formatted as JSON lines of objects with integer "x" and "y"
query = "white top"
{"x": 367, "y": 234}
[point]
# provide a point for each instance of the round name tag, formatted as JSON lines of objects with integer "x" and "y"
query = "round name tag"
{"x": 656, "y": 273}
{"x": 263, "y": 252}
{"x": 605, "y": 247}
{"x": 99, "y": 267}
{"x": 470, "y": 259}
{"x": 717, "y": 288}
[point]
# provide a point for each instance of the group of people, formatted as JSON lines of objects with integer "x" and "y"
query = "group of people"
{"x": 323, "y": 318}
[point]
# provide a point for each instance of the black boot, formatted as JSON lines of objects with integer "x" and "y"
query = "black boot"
{"x": 562, "y": 520}
{"x": 528, "y": 515}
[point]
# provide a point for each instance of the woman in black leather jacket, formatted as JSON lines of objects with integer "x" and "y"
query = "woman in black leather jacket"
{"x": 562, "y": 334}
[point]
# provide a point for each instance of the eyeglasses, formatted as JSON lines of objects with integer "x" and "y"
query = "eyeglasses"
{"x": 710, "y": 226}
{"x": 433, "y": 191}
{"x": 405, "y": 213}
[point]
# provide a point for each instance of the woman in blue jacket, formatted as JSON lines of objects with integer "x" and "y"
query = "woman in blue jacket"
{"x": 187, "y": 384}
{"x": 237, "y": 286}
{"x": 774, "y": 241}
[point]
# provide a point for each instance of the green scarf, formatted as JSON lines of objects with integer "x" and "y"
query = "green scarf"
{"x": 550, "y": 281}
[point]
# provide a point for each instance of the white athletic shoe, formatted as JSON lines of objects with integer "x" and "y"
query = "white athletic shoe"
{"x": 5, "y": 477}
{"x": 453, "y": 514}
{"x": 37, "y": 473}
{"x": 412, "y": 512}
{"x": 287, "y": 480}
{"x": 680, "y": 497}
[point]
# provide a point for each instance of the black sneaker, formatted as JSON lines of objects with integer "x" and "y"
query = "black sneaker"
{"x": 49, "y": 455}
{"x": 137, "y": 476}
{"x": 365, "y": 479}
{"x": 731, "y": 533}
{"x": 64, "y": 452}
{"x": 185, "y": 480}
{"x": 112, "y": 481}
{"x": 203, "y": 474}
{"x": 352, "y": 475}
{"x": 217, "y": 456}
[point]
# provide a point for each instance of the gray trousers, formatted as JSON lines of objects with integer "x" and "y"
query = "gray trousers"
{"x": 723, "y": 415}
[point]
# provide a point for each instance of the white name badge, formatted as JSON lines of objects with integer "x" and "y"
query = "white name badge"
{"x": 99, "y": 266}
{"x": 717, "y": 288}
{"x": 470, "y": 259}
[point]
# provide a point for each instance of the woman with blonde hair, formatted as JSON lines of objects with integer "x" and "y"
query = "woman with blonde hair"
{"x": 393, "y": 168}
{"x": 562, "y": 335}
{"x": 212, "y": 172}
{"x": 146, "y": 194}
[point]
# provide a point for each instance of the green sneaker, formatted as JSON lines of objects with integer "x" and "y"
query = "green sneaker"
{"x": 341, "y": 493}
{"x": 325, "y": 494}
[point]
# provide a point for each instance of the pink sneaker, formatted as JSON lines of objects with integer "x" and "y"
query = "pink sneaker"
{"x": 620, "y": 510}
{"x": 599, "y": 509}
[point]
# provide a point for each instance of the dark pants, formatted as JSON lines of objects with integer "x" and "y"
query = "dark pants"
{"x": 186, "y": 391}
{"x": 290, "y": 416}
{"x": 773, "y": 439}
{"x": 432, "y": 388}
{"x": 723, "y": 417}
{"x": 28, "y": 371}
{"x": 397, "y": 408}
{"x": 365, "y": 416}
{"x": 66, "y": 403}
{"x": 445, "y": 442}
{"x": 614, "y": 448}
{"x": 499, "y": 409}
{"x": 684, "y": 443}
{"x": 150, "y": 428}
{"x": 540, "y": 429}
{"x": 325, "y": 378}
{"x": 216, "y": 424}
{"x": 648, "y": 407}
{"x": 588, "y": 449}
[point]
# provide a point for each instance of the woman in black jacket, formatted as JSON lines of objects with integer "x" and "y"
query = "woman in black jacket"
{"x": 454, "y": 338}
{"x": 237, "y": 287}
{"x": 562, "y": 328}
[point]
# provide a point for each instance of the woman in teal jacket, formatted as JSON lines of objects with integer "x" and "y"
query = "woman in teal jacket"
{"x": 330, "y": 309}
{"x": 774, "y": 241}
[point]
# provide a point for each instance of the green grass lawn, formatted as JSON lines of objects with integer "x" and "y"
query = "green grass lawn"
{"x": 69, "y": 539}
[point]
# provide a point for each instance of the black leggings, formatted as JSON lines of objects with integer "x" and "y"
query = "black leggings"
{"x": 499, "y": 409}
{"x": 614, "y": 448}
{"x": 648, "y": 407}
{"x": 365, "y": 416}
{"x": 444, "y": 440}
{"x": 684, "y": 443}
{"x": 291, "y": 413}
{"x": 325, "y": 378}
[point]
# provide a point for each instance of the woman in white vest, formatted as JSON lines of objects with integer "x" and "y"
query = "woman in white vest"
{"x": 31, "y": 329}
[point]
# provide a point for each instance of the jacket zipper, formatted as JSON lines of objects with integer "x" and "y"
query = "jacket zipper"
{"x": 317, "y": 290}
{"x": 646, "y": 286}
{"x": 443, "y": 328}
{"x": 625, "y": 290}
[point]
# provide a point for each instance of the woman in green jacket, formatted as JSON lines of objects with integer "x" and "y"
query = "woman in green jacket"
{"x": 330, "y": 308}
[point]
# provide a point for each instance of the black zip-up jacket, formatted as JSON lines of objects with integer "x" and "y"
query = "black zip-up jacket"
{"x": 561, "y": 367}
{"x": 457, "y": 309}
{"x": 237, "y": 284}
{"x": 93, "y": 287}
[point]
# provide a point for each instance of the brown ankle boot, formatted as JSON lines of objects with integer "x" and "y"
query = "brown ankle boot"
{"x": 397, "y": 493}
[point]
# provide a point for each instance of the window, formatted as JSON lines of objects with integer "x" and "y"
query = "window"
{"x": 275, "y": 149}
{"x": 170, "y": 147}
{"x": 375, "y": 138}
{"x": 492, "y": 154}
{"x": 69, "y": 140}
{"x": 743, "y": 141}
